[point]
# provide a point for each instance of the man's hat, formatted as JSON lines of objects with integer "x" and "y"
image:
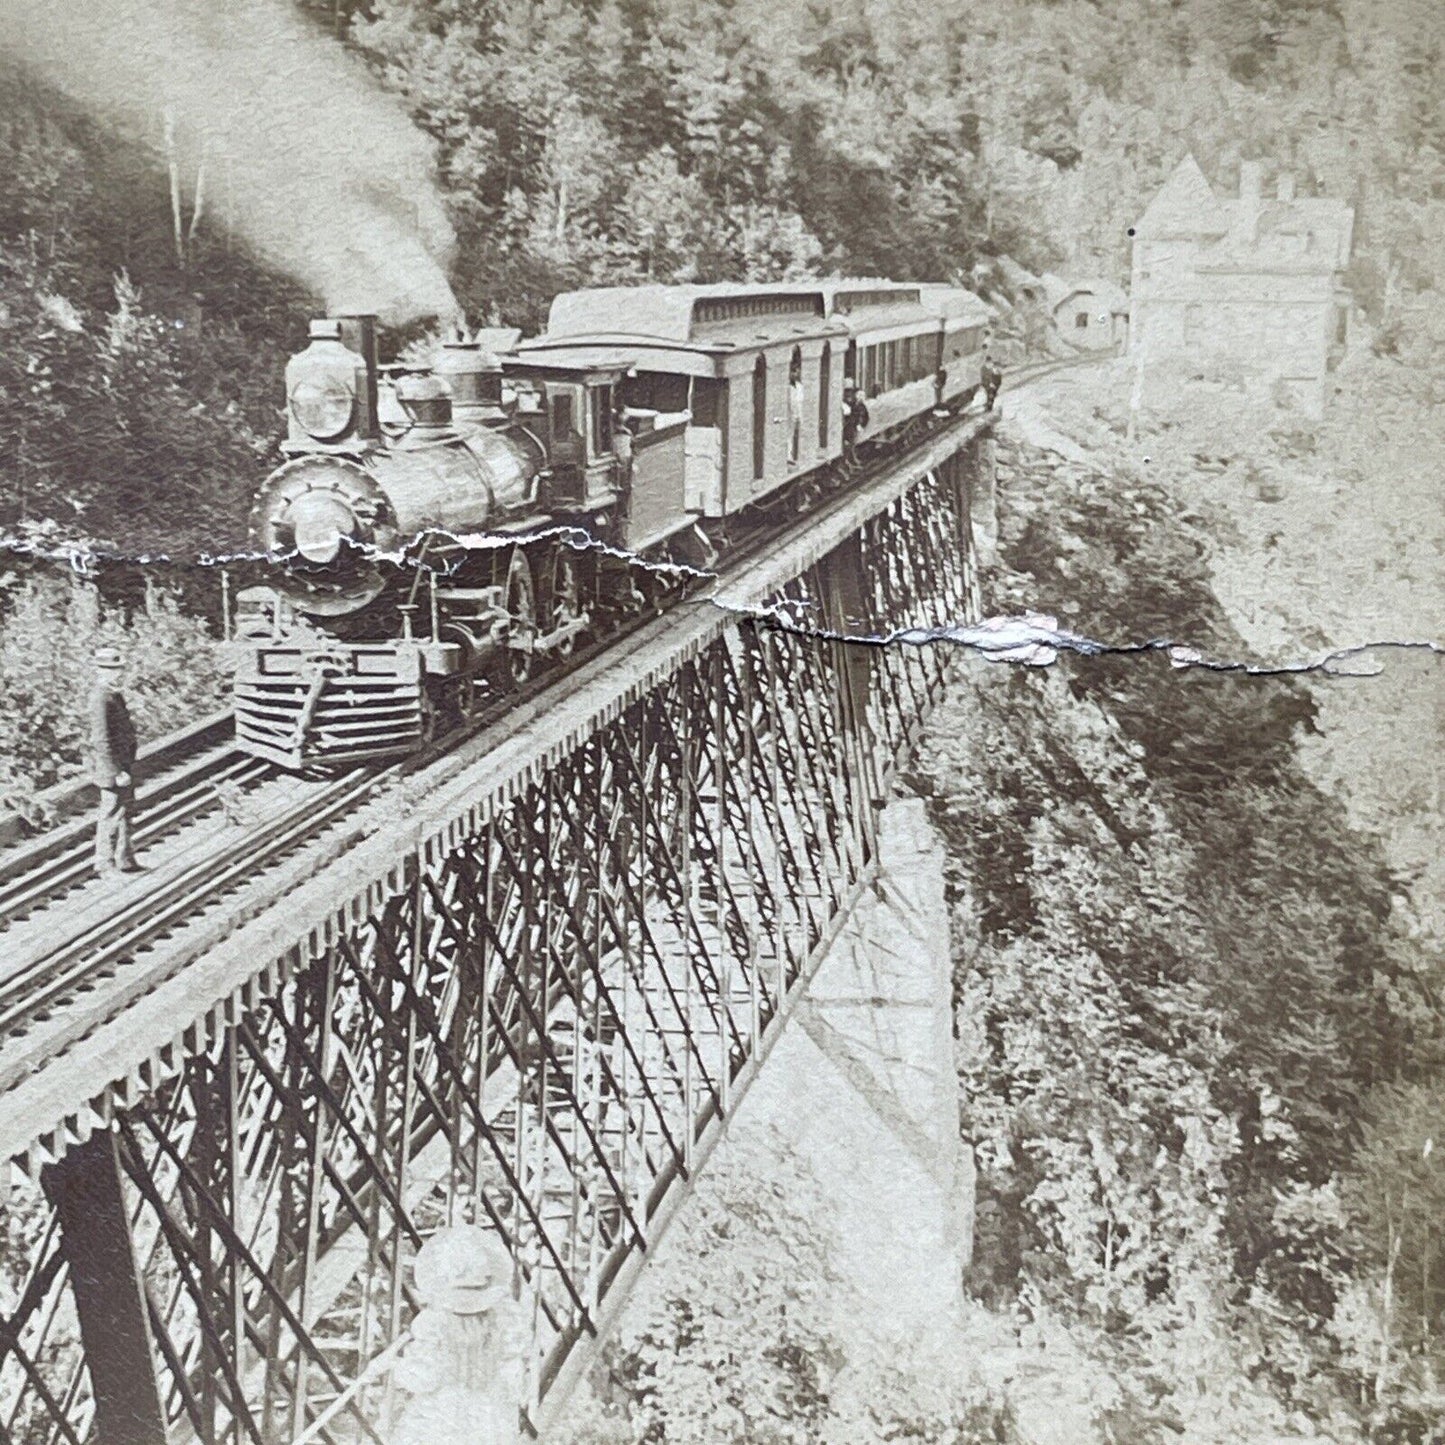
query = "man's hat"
{"x": 109, "y": 657}
{"x": 463, "y": 1269}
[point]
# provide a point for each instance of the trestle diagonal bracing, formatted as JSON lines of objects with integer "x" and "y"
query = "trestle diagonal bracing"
{"x": 526, "y": 999}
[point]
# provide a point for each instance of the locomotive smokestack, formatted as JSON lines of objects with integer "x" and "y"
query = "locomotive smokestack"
{"x": 358, "y": 334}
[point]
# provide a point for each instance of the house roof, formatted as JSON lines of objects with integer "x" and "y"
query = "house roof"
{"x": 1186, "y": 206}
{"x": 1319, "y": 228}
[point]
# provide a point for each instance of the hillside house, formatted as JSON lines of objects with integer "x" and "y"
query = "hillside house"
{"x": 1090, "y": 314}
{"x": 1252, "y": 284}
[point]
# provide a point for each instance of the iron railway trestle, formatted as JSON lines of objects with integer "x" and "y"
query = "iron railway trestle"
{"x": 528, "y": 999}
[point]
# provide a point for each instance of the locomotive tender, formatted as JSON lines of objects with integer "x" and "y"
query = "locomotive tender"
{"x": 470, "y": 523}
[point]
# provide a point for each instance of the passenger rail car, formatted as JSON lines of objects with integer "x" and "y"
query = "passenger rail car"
{"x": 436, "y": 528}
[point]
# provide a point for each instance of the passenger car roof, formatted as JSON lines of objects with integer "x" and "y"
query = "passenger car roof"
{"x": 732, "y": 317}
{"x": 685, "y": 313}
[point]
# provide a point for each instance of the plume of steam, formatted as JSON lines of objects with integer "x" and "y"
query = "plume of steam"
{"x": 321, "y": 172}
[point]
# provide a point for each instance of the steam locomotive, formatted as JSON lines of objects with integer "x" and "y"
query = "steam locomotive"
{"x": 446, "y": 531}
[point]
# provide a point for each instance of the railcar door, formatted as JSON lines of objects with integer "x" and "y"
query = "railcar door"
{"x": 567, "y": 452}
{"x": 706, "y": 433}
{"x": 599, "y": 414}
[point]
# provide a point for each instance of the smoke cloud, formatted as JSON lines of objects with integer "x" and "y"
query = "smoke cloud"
{"x": 290, "y": 142}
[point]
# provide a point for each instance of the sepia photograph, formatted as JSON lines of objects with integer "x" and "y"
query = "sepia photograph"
{"x": 721, "y": 722}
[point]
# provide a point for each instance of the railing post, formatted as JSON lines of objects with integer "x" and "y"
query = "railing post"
{"x": 84, "y": 1188}
{"x": 846, "y": 611}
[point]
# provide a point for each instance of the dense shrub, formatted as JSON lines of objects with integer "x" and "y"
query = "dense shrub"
{"x": 746, "y": 1331}
{"x": 50, "y": 627}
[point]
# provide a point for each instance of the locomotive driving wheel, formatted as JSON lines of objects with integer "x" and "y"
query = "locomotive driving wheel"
{"x": 566, "y": 598}
{"x": 521, "y": 605}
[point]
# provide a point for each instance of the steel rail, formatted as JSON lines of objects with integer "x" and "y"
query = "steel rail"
{"x": 19, "y": 829}
{"x": 1028, "y": 371}
{"x": 43, "y": 980}
{"x": 41, "y": 872}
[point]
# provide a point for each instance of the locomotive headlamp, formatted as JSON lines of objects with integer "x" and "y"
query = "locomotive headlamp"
{"x": 321, "y": 521}
{"x": 323, "y": 407}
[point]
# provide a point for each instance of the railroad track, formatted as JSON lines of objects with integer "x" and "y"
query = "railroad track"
{"x": 193, "y": 771}
{"x": 44, "y": 979}
{"x": 31, "y": 821}
{"x": 40, "y": 978}
{"x": 40, "y": 982}
{"x": 1035, "y": 370}
{"x": 43, "y": 869}
{"x": 186, "y": 776}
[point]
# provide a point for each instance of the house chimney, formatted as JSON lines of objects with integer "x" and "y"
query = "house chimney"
{"x": 1284, "y": 187}
{"x": 1251, "y": 185}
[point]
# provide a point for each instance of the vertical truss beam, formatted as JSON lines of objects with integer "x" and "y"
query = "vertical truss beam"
{"x": 111, "y": 1302}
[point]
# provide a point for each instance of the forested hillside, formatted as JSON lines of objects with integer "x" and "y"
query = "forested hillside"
{"x": 1200, "y": 1042}
{"x": 749, "y": 138}
{"x": 609, "y": 140}
{"x": 1202, "y": 1057}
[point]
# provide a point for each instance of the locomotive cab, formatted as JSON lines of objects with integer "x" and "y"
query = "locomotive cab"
{"x": 572, "y": 411}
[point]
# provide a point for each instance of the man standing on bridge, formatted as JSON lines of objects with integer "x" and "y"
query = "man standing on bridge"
{"x": 113, "y": 746}
{"x": 855, "y": 418}
{"x": 991, "y": 374}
